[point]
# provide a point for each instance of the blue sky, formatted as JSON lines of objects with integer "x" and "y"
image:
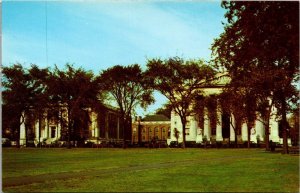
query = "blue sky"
{"x": 99, "y": 34}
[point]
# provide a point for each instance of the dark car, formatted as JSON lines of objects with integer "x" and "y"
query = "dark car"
{"x": 6, "y": 142}
{"x": 174, "y": 144}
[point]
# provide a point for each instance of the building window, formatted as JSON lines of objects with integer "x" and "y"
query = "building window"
{"x": 187, "y": 123}
{"x": 53, "y": 131}
{"x": 144, "y": 130}
{"x": 163, "y": 130}
{"x": 150, "y": 130}
{"x": 144, "y": 137}
{"x": 187, "y": 131}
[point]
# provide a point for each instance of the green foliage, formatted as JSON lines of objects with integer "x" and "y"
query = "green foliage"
{"x": 127, "y": 86}
{"x": 76, "y": 91}
{"x": 260, "y": 50}
{"x": 24, "y": 92}
{"x": 35, "y": 91}
{"x": 166, "y": 110}
{"x": 179, "y": 81}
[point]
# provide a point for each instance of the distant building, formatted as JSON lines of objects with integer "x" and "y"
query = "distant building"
{"x": 151, "y": 127}
{"x": 99, "y": 125}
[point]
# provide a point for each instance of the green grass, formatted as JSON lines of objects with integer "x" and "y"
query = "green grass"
{"x": 149, "y": 170}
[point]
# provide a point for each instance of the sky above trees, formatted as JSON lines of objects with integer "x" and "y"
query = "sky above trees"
{"x": 99, "y": 34}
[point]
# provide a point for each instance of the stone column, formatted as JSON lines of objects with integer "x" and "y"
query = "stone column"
{"x": 92, "y": 127}
{"x": 22, "y": 130}
{"x": 260, "y": 128}
{"x": 59, "y": 128}
{"x": 232, "y": 124}
{"x": 43, "y": 129}
{"x": 37, "y": 133}
{"x": 95, "y": 124}
{"x": 244, "y": 132}
{"x": 207, "y": 129}
{"x": 48, "y": 132}
{"x": 274, "y": 133}
{"x": 219, "y": 124}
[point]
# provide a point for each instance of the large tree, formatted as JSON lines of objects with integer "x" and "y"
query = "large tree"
{"x": 38, "y": 81}
{"x": 179, "y": 81}
{"x": 73, "y": 91}
{"x": 127, "y": 87}
{"x": 262, "y": 37}
{"x": 16, "y": 98}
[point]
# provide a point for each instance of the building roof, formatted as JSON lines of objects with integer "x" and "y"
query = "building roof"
{"x": 155, "y": 118}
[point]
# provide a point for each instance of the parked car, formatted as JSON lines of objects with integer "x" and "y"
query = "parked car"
{"x": 174, "y": 144}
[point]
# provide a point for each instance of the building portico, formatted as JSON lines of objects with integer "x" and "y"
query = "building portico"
{"x": 223, "y": 127}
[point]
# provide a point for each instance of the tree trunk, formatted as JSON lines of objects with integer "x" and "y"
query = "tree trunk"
{"x": 183, "y": 121}
{"x": 69, "y": 129}
{"x": 18, "y": 137}
{"x": 249, "y": 133}
{"x": 139, "y": 133}
{"x": 124, "y": 127}
{"x": 183, "y": 135}
{"x": 284, "y": 126}
{"x": 18, "y": 131}
{"x": 26, "y": 137}
{"x": 235, "y": 138}
{"x": 40, "y": 126}
{"x": 267, "y": 133}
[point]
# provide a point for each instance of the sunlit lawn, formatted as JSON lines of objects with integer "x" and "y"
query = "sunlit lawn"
{"x": 148, "y": 170}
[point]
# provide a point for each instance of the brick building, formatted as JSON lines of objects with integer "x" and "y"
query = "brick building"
{"x": 151, "y": 127}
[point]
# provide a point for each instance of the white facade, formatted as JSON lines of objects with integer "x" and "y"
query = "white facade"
{"x": 51, "y": 128}
{"x": 195, "y": 133}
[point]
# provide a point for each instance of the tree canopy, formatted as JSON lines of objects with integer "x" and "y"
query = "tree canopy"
{"x": 179, "y": 81}
{"x": 127, "y": 86}
{"x": 260, "y": 49}
{"x": 77, "y": 91}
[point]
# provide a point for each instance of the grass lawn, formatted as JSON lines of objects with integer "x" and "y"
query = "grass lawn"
{"x": 148, "y": 170}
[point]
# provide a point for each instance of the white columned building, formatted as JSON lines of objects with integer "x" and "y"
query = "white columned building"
{"x": 224, "y": 130}
{"x": 207, "y": 128}
{"x": 232, "y": 127}
{"x": 22, "y": 129}
{"x": 244, "y": 132}
{"x": 219, "y": 136}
